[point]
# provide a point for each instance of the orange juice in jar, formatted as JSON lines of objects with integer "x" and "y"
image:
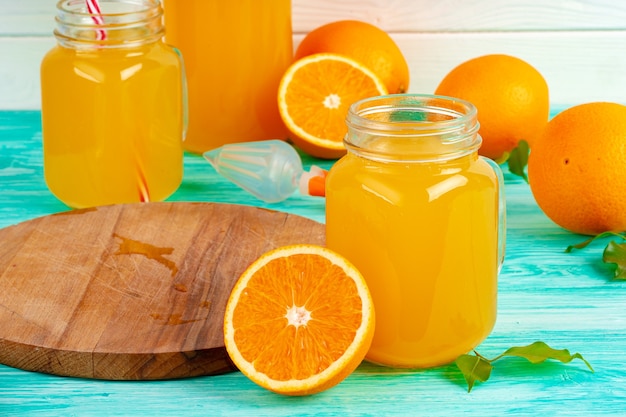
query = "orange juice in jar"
{"x": 420, "y": 214}
{"x": 112, "y": 106}
{"x": 235, "y": 55}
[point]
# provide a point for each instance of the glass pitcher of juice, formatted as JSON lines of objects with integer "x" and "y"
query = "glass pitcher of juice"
{"x": 113, "y": 105}
{"x": 421, "y": 215}
{"x": 235, "y": 55}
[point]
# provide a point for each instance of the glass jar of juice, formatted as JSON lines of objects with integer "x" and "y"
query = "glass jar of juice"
{"x": 113, "y": 105}
{"x": 421, "y": 215}
{"x": 235, "y": 55}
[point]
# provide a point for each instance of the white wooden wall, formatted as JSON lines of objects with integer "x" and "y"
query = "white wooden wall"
{"x": 578, "y": 45}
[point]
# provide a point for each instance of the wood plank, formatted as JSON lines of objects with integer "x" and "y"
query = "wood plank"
{"x": 35, "y": 17}
{"x": 578, "y": 66}
{"x": 131, "y": 291}
{"x": 19, "y": 75}
{"x": 26, "y": 18}
{"x": 402, "y": 16}
{"x": 566, "y": 300}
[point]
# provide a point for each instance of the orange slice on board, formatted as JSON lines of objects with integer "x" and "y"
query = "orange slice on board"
{"x": 299, "y": 320}
{"x": 314, "y": 96}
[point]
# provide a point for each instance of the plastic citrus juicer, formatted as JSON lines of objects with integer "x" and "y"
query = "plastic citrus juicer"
{"x": 271, "y": 170}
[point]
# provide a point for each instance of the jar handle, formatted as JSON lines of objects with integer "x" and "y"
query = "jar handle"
{"x": 501, "y": 210}
{"x": 185, "y": 91}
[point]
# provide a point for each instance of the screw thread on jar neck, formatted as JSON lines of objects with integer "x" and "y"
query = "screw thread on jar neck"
{"x": 125, "y": 23}
{"x": 412, "y": 128}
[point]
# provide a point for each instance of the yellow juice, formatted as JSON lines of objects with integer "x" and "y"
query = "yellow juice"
{"x": 235, "y": 55}
{"x": 112, "y": 123}
{"x": 425, "y": 237}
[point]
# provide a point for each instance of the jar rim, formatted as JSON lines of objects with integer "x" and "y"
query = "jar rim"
{"x": 120, "y": 19}
{"x": 413, "y": 119}
{"x": 79, "y": 9}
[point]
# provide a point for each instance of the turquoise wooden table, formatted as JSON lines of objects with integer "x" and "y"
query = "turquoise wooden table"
{"x": 566, "y": 300}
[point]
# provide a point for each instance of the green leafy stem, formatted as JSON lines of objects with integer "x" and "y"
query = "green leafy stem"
{"x": 478, "y": 368}
{"x": 614, "y": 253}
{"x": 517, "y": 160}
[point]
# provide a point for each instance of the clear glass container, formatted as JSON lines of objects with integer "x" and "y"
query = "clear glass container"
{"x": 421, "y": 215}
{"x": 236, "y": 53}
{"x": 113, "y": 105}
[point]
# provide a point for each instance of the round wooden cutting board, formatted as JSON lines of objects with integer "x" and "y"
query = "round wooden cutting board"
{"x": 131, "y": 292}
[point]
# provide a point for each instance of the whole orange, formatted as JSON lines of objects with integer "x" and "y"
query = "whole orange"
{"x": 367, "y": 44}
{"x": 511, "y": 97}
{"x": 577, "y": 168}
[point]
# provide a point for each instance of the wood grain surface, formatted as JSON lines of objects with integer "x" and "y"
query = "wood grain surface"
{"x": 578, "y": 45}
{"x": 133, "y": 291}
{"x": 566, "y": 300}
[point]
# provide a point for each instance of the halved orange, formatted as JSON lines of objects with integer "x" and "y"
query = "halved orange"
{"x": 299, "y": 320}
{"x": 363, "y": 42}
{"x": 314, "y": 96}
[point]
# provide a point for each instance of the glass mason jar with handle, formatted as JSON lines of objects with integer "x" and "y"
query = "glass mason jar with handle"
{"x": 113, "y": 105}
{"x": 421, "y": 215}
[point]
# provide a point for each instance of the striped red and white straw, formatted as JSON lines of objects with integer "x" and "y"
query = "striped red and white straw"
{"x": 142, "y": 184}
{"x": 96, "y": 15}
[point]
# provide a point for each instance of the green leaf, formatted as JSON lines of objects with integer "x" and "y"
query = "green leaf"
{"x": 539, "y": 352}
{"x": 518, "y": 159}
{"x": 615, "y": 253}
{"x": 587, "y": 242}
{"x": 474, "y": 368}
{"x": 478, "y": 368}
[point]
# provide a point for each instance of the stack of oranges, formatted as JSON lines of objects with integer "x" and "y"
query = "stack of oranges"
{"x": 575, "y": 168}
{"x": 342, "y": 62}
